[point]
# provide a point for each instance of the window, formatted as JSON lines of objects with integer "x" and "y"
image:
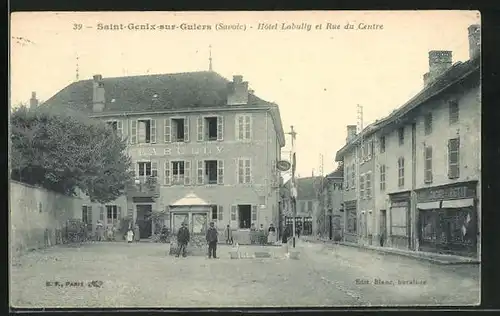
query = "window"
{"x": 401, "y": 135}
{"x": 428, "y": 123}
{"x": 309, "y": 206}
{"x": 254, "y": 213}
{"x": 454, "y": 158}
{"x": 244, "y": 171}
{"x": 116, "y": 126}
{"x": 178, "y": 130}
{"x": 113, "y": 213}
{"x": 101, "y": 213}
{"x": 214, "y": 172}
{"x": 353, "y": 176}
{"x": 244, "y": 127}
{"x": 351, "y": 221}
{"x": 220, "y": 216}
{"x": 382, "y": 144}
{"x": 143, "y": 131}
{"x": 346, "y": 177}
{"x": 178, "y": 171}
{"x": 428, "y": 164}
{"x": 147, "y": 169}
{"x": 362, "y": 186}
{"x": 382, "y": 178}
{"x": 454, "y": 111}
{"x": 368, "y": 187}
{"x": 87, "y": 214}
{"x": 401, "y": 172}
{"x": 214, "y": 212}
{"x": 233, "y": 212}
{"x": 303, "y": 206}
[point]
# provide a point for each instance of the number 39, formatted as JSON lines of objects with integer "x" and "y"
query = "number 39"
{"x": 77, "y": 27}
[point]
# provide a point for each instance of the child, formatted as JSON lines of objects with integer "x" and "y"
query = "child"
{"x": 130, "y": 235}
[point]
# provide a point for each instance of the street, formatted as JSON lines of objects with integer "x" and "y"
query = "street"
{"x": 141, "y": 275}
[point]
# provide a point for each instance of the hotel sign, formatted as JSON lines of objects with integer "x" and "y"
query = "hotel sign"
{"x": 456, "y": 192}
{"x": 177, "y": 151}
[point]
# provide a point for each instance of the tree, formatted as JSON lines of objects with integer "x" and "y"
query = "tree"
{"x": 63, "y": 152}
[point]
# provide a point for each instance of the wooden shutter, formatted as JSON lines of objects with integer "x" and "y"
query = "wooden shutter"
{"x": 234, "y": 213}
{"x": 167, "y": 132}
{"x": 199, "y": 128}
{"x": 453, "y": 164}
{"x": 220, "y": 171}
{"x": 239, "y": 127}
{"x": 248, "y": 127}
{"x": 152, "y": 131}
{"x": 101, "y": 213}
{"x": 89, "y": 215}
{"x": 118, "y": 212}
{"x": 220, "y": 127}
{"x": 119, "y": 128}
{"x": 254, "y": 213}
{"x": 133, "y": 131}
{"x": 247, "y": 171}
{"x": 187, "y": 172}
{"x": 154, "y": 169}
{"x": 168, "y": 173}
{"x": 220, "y": 210}
{"x": 428, "y": 164}
{"x": 199, "y": 172}
{"x": 186, "y": 129}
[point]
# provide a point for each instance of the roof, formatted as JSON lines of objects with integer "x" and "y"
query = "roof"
{"x": 189, "y": 200}
{"x": 306, "y": 187}
{"x": 137, "y": 93}
{"x": 449, "y": 78}
{"x": 337, "y": 173}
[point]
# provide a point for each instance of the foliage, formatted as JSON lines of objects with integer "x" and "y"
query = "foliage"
{"x": 157, "y": 218}
{"x": 63, "y": 153}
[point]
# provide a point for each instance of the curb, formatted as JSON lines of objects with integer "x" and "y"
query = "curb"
{"x": 414, "y": 256}
{"x": 235, "y": 255}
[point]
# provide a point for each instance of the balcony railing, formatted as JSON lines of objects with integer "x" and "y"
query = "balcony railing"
{"x": 144, "y": 186}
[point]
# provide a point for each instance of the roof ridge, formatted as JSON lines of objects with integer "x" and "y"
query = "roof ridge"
{"x": 157, "y": 75}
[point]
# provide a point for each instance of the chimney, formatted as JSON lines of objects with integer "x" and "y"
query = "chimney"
{"x": 474, "y": 41}
{"x": 351, "y": 132}
{"x": 98, "y": 94}
{"x": 439, "y": 62}
{"x": 237, "y": 91}
{"x": 33, "y": 100}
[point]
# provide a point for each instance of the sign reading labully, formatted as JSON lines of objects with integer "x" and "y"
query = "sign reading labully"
{"x": 462, "y": 191}
{"x": 179, "y": 150}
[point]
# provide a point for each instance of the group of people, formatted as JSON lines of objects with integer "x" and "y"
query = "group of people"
{"x": 287, "y": 233}
{"x": 109, "y": 233}
{"x": 212, "y": 237}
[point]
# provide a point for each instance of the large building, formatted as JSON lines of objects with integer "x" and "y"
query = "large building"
{"x": 417, "y": 186}
{"x": 329, "y": 213}
{"x": 203, "y": 148}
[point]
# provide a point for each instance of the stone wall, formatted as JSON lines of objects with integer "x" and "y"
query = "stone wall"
{"x": 38, "y": 216}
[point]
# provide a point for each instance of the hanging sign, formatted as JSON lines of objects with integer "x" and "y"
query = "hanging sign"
{"x": 283, "y": 165}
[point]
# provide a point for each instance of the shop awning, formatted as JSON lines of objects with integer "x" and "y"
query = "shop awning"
{"x": 190, "y": 200}
{"x": 458, "y": 203}
{"x": 428, "y": 205}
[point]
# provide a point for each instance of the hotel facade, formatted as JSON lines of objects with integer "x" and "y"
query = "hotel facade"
{"x": 413, "y": 179}
{"x": 203, "y": 149}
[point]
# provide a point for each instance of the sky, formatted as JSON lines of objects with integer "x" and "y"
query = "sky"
{"x": 316, "y": 76}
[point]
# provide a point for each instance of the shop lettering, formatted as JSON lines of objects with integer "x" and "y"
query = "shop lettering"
{"x": 452, "y": 193}
{"x": 179, "y": 151}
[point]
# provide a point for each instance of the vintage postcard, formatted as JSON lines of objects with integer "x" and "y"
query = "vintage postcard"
{"x": 245, "y": 159}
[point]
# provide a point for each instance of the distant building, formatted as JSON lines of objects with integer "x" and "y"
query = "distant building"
{"x": 424, "y": 166}
{"x": 330, "y": 211}
{"x": 203, "y": 148}
{"x": 307, "y": 205}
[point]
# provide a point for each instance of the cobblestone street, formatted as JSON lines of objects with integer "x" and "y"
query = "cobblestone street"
{"x": 141, "y": 275}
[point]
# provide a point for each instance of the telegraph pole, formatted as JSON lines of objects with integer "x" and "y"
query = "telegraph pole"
{"x": 293, "y": 189}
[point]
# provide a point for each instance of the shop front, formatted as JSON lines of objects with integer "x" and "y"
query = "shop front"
{"x": 448, "y": 219}
{"x": 400, "y": 220}
{"x": 351, "y": 222}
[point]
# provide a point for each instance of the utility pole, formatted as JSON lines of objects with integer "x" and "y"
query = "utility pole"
{"x": 293, "y": 189}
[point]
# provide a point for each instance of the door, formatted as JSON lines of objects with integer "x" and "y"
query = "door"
{"x": 144, "y": 220}
{"x": 383, "y": 227}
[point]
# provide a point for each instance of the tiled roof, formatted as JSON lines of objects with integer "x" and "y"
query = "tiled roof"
{"x": 137, "y": 93}
{"x": 337, "y": 173}
{"x": 452, "y": 76}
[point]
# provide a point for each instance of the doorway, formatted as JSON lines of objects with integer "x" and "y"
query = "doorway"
{"x": 383, "y": 227}
{"x": 245, "y": 216}
{"x": 144, "y": 220}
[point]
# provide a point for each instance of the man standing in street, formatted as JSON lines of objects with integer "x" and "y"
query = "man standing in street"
{"x": 182, "y": 240}
{"x": 212, "y": 241}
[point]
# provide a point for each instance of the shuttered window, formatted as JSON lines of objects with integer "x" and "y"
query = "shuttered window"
{"x": 362, "y": 186}
{"x": 152, "y": 131}
{"x": 382, "y": 178}
{"x": 428, "y": 164}
{"x": 167, "y": 131}
{"x": 168, "y": 173}
{"x": 200, "y": 128}
{"x": 234, "y": 209}
{"x": 133, "y": 131}
{"x": 186, "y": 129}
{"x": 199, "y": 172}
{"x": 220, "y": 128}
{"x": 221, "y": 213}
{"x": 401, "y": 172}
{"x": 428, "y": 123}
{"x": 187, "y": 172}
{"x": 453, "y": 111}
{"x": 454, "y": 158}
{"x": 254, "y": 213}
{"x": 220, "y": 171}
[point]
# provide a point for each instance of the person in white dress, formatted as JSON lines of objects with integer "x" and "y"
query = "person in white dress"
{"x": 130, "y": 236}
